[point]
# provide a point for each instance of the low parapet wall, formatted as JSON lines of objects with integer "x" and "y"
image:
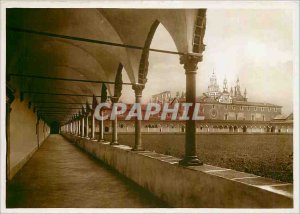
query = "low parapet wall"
{"x": 202, "y": 186}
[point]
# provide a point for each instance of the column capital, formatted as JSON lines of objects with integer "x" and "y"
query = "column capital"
{"x": 138, "y": 88}
{"x": 190, "y": 62}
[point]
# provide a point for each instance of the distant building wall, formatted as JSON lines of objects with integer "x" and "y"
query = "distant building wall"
{"x": 219, "y": 111}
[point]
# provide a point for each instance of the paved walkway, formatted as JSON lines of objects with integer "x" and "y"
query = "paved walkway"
{"x": 59, "y": 175}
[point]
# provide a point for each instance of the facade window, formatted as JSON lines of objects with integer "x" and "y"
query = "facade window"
{"x": 226, "y": 117}
{"x": 241, "y": 108}
{"x": 248, "y": 108}
{"x": 263, "y": 117}
{"x": 255, "y": 108}
{"x": 262, "y": 108}
{"x": 213, "y": 106}
{"x": 252, "y": 117}
{"x": 236, "y": 116}
{"x": 275, "y": 109}
{"x": 233, "y": 107}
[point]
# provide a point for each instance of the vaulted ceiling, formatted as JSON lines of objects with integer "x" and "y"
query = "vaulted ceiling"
{"x": 57, "y": 57}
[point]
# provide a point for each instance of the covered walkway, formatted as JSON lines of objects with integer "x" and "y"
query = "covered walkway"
{"x": 60, "y": 175}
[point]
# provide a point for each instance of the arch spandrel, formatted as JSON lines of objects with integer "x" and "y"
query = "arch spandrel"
{"x": 133, "y": 26}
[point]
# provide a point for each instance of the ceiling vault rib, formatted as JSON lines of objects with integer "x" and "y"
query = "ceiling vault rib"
{"x": 16, "y": 29}
{"x": 63, "y": 79}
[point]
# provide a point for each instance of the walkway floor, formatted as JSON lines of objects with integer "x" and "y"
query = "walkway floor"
{"x": 59, "y": 175}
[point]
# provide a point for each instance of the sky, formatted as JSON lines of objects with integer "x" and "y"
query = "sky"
{"x": 255, "y": 45}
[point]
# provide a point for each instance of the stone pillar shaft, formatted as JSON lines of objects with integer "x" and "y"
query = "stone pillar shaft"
{"x": 82, "y": 127}
{"x": 114, "y": 125}
{"x": 190, "y": 62}
{"x": 87, "y": 126}
{"x": 93, "y": 125}
{"x": 100, "y": 138}
{"x": 138, "y": 89}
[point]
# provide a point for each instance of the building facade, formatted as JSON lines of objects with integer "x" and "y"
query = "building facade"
{"x": 224, "y": 111}
{"x": 233, "y": 105}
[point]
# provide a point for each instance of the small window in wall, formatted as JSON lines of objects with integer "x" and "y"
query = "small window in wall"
{"x": 263, "y": 117}
{"x": 255, "y": 108}
{"x": 248, "y": 108}
{"x": 275, "y": 109}
{"x": 226, "y": 117}
{"x": 213, "y": 106}
{"x": 252, "y": 117}
{"x": 233, "y": 107}
{"x": 241, "y": 107}
{"x": 262, "y": 108}
{"x": 236, "y": 116}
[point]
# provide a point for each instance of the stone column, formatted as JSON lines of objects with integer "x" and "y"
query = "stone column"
{"x": 93, "y": 125}
{"x": 9, "y": 99}
{"x": 190, "y": 62}
{"x": 87, "y": 126}
{"x": 114, "y": 125}
{"x": 100, "y": 138}
{"x": 82, "y": 126}
{"x": 77, "y": 126}
{"x": 138, "y": 90}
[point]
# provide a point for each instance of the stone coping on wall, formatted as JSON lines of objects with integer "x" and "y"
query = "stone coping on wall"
{"x": 193, "y": 186}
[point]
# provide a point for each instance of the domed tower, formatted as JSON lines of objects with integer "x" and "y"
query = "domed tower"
{"x": 213, "y": 88}
{"x": 237, "y": 90}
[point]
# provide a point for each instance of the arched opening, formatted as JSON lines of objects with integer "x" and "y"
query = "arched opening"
{"x": 272, "y": 129}
{"x": 54, "y": 128}
{"x": 244, "y": 129}
{"x": 157, "y": 71}
{"x": 235, "y": 129}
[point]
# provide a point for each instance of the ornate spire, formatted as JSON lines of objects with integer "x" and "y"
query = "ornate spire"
{"x": 225, "y": 85}
{"x": 237, "y": 87}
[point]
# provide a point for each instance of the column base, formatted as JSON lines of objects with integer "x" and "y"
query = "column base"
{"x": 101, "y": 140}
{"x": 138, "y": 148}
{"x": 114, "y": 143}
{"x": 191, "y": 161}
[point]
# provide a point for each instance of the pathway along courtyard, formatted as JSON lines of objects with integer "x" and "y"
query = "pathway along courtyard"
{"x": 59, "y": 175}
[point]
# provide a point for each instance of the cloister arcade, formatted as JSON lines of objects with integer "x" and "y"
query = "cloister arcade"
{"x": 57, "y": 57}
{"x": 61, "y": 63}
{"x": 175, "y": 127}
